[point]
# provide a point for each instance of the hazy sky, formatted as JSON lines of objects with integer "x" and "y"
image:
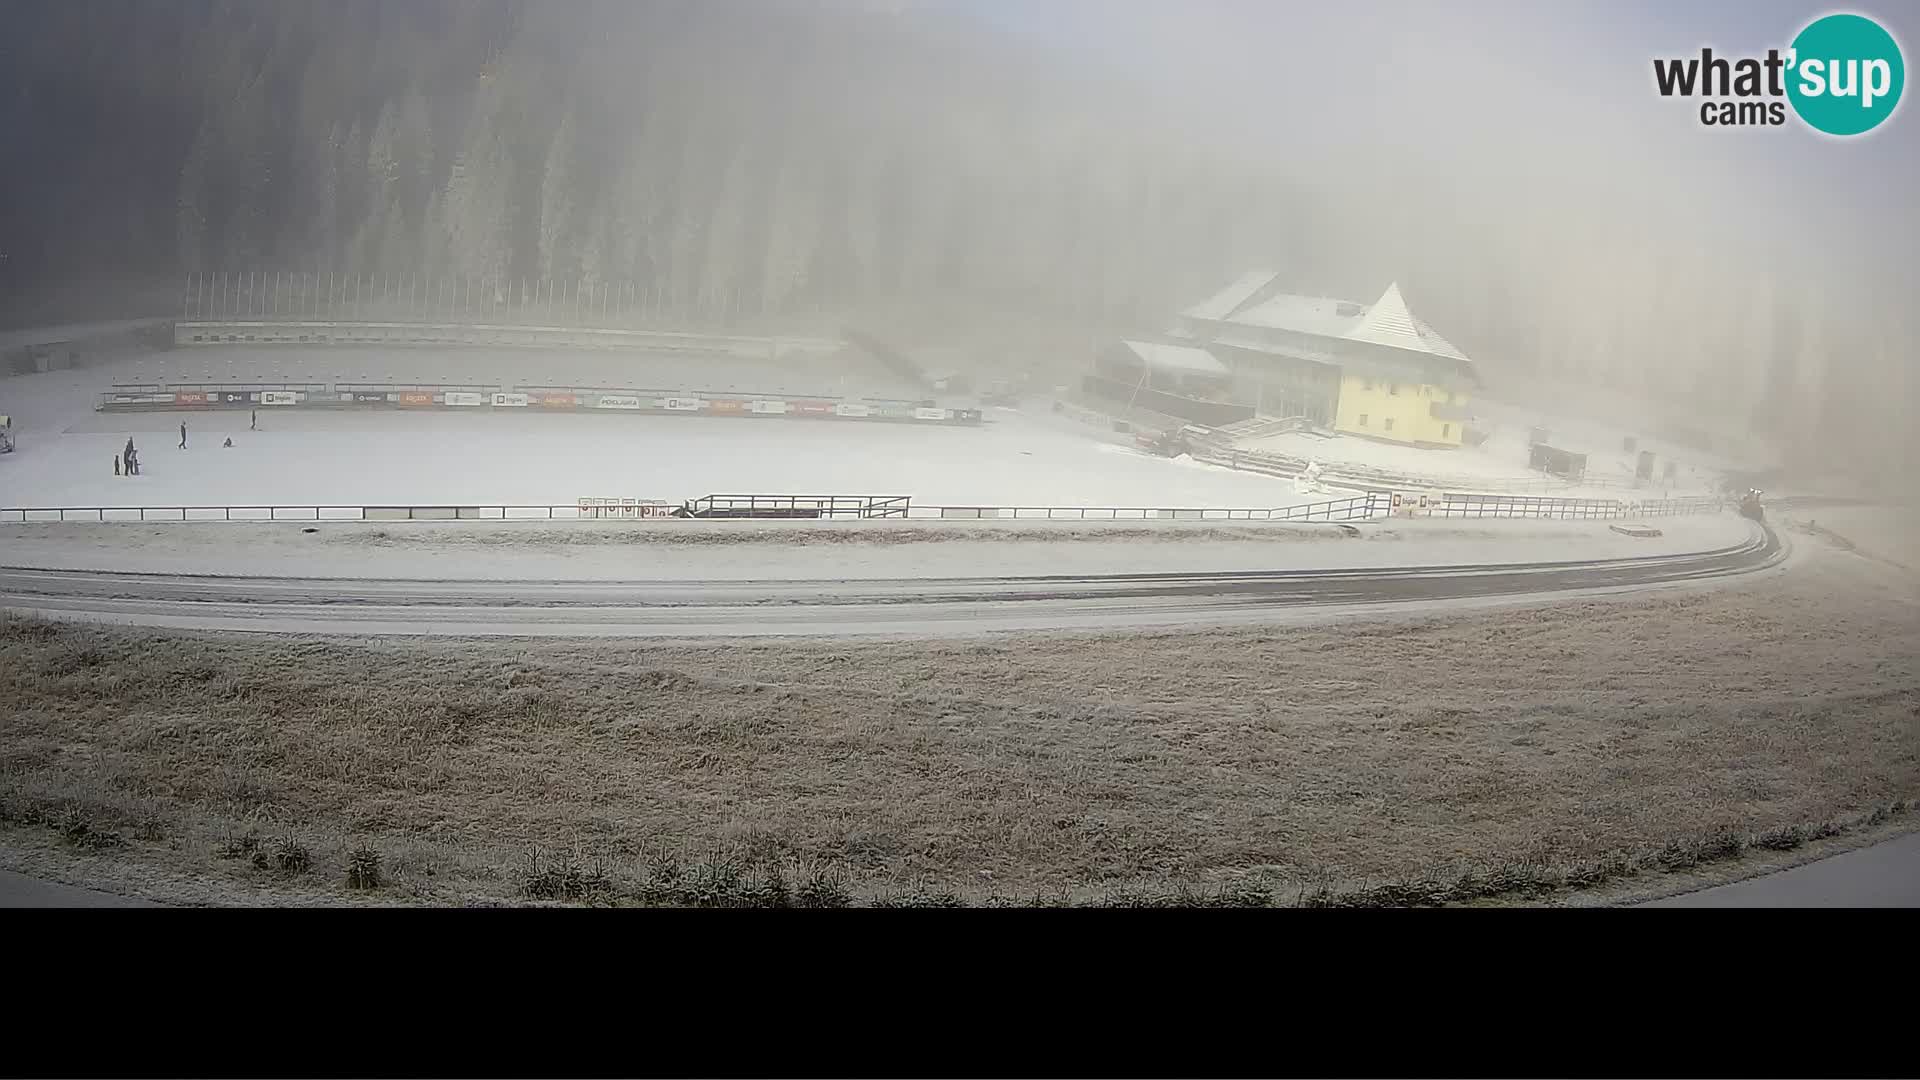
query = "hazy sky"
{"x": 1511, "y": 95}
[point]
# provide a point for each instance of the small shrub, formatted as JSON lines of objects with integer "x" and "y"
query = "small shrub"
{"x": 564, "y": 879}
{"x": 765, "y": 886}
{"x": 1782, "y": 838}
{"x": 822, "y": 887}
{"x": 290, "y": 857}
{"x": 75, "y": 829}
{"x": 712, "y": 883}
{"x": 363, "y": 868}
{"x": 151, "y": 830}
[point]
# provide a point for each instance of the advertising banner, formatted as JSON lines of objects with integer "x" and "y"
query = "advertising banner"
{"x": 852, "y": 408}
{"x": 557, "y": 401}
{"x": 678, "y": 404}
{"x": 235, "y": 397}
{"x": 415, "y": 397}
{"x": 189, "y": 397}
{"x": 723, "y": 405}
{"x": 966, "y": 416}
{"x": 924, "y": 413}
{"x": 509, "y": 400}
{"x": 279, "y": 397}
{"x": 368, "y": 396}
{"x": 814, "y": 408}
{"x": 617, "y": 401}
{"x": 766, "y": 407}
{"x": 464, "y": 397}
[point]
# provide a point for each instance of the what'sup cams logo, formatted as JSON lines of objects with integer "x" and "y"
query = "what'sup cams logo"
{"x": 1842, "y": 75}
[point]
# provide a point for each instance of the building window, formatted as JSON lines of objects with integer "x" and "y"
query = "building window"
{"x": 1387, "y": 424}
{"x": 1446, "y": 431}
{"x": 1363, "y": 419}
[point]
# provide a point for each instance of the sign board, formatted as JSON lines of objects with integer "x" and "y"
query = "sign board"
{"x": 722, "y": 405}
{"x": 852, "y": 408}
{"x": 557, "y": 401}
{"x": 190, "y": 398}
{"x": 415, "y": 397}
{"x": 235, "y": 397}
{"x": 279, "y": 397}
{"x": 368, "y": 396}
{"x": 625, "y": 508}
{"x": 767, "y": 407}
{"x": 509, "y": 401}
{"x": 924, "y": 413}
{"x": 814, "y": 408}
{"x": 678, "y": 404}
{"x": 617, "y": 401}
{"x": 464, "y": 397}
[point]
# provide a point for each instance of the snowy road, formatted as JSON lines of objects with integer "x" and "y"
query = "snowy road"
{"x": 900, "y": 606}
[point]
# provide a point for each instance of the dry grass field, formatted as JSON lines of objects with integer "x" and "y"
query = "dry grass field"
{"x": 1444, "y": 757}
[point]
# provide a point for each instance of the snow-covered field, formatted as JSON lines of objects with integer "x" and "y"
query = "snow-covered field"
{"x": 354, "y": 458}
{"x": 1501, "y": 462}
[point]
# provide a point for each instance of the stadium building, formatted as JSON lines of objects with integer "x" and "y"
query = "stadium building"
{"x": 1373, "y": 370}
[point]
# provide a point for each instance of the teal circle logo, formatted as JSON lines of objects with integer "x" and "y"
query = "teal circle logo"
{"x": 1845, "y": 74}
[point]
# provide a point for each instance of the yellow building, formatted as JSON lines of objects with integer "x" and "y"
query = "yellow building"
{"x": 1364, "y": 369}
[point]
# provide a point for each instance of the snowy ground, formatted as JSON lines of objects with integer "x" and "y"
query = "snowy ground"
{"x": 1501, "y": 461}
{"x": 356, "y": 458}
{"x": 845, "y": 550}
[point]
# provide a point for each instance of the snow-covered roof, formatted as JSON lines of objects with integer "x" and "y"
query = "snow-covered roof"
{"x": 1387, "y": 321}
{"x": 1176, "y": 358}
{"x": 1223, "y": 304}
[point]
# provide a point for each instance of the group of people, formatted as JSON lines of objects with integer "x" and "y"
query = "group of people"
{"x": 127, "y": 462}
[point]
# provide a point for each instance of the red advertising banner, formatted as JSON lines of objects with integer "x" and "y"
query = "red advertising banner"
{"x": 557, "y": 401}
{"x": 415, "y": 397}
{"x": 721, "y": 405}
{"x": 814, "y": 408}
{"x": 190, "y": 398}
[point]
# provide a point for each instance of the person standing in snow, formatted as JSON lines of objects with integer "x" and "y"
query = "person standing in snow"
{"x": 116, "y": 464}
{"x": 183, "y": 434}
{"x": 253, "y": 421}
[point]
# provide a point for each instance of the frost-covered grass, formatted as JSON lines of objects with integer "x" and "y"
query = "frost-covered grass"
{"x": 1540, "y": 747}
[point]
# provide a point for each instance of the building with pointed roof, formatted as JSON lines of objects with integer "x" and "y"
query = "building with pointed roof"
{"x": 1366, "y": 369}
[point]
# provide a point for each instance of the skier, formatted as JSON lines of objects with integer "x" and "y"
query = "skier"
{"x": 229, "y": 443}
{"x": 133, "y": 463}
{"x": 183, "y": 434}
{"x": 116, "y": 464}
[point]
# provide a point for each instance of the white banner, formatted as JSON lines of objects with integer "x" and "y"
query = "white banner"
{"x": 678, "y": 404}
{"x": 852, "y": 408}
{"x": 464, "y": 397}
{"x": 617, "y": 401}
{"x": 771, "y": 408}
{"x": 515, "y": 400}
{"x": 279, "y": 397}
{"x": 929, "y": 414}
{"x": 625, "y": 508}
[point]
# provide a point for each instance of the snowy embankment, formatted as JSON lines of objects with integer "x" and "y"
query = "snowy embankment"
{"x": 813, "y": 550}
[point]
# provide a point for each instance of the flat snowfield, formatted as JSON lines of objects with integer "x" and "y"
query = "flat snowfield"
{"x": 520, "y": 456}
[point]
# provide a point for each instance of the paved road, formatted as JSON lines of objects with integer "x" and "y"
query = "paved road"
{"x": 939, "y": 606}
{"x": 1884, "y": 875}
{"x": 20, "y": 891}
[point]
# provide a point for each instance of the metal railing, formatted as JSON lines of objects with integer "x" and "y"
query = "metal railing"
{"x": 1359, "y": 508}
{"x": 1454, "y": 504}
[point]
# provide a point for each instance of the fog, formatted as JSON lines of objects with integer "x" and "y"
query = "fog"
{"x": 1084, "y": 167}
